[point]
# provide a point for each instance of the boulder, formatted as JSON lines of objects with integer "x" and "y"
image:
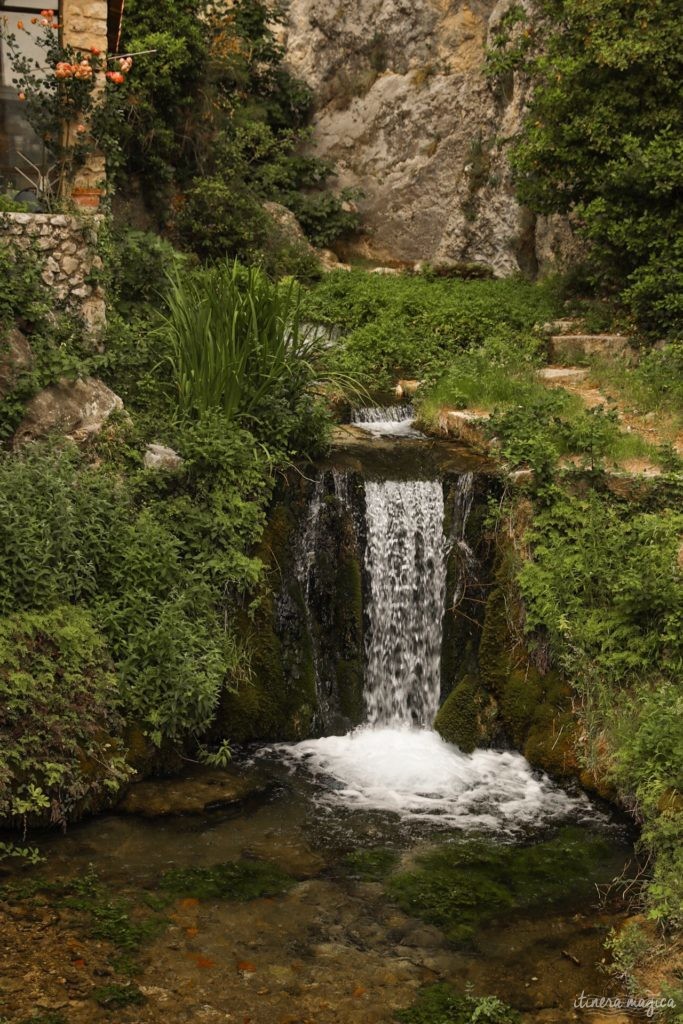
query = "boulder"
{"x": 288, "y": 224}
{"x": 16, "y": 357}
{"x": 329, "y": 261}
{"x": 78, "y": 409}
{"x": 158, "y": 456}
{"x": 199, "y": 792}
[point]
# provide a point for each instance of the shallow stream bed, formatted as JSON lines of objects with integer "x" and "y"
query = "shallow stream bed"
{"x": 352, "y": 909}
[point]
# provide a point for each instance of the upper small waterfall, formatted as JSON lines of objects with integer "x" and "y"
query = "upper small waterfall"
{"x": 383, "y": 414}
{"x": 386, "y": 421}
{"x": 405, "y": 559}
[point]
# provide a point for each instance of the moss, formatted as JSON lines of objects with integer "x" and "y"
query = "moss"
{"x": 552, "y": 741}
{"x": 280, "y": 700}
{"x": 521, "y": 693}
{"x": 233, "y": 880}
{"x": 494, "y": 644}
{"x": 371, "y": 865}
{"x": 461, "y": 886}
{"x": 457, "y": 719}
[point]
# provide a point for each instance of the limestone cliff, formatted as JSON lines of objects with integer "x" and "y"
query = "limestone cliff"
{"x": 405, "y": 113}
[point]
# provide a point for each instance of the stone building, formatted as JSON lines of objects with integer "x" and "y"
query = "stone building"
{"x": 66, "y": 243}
{"x": 85, "y": 24}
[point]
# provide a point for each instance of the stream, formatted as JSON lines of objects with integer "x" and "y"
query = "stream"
{"x": 399, "y": 860}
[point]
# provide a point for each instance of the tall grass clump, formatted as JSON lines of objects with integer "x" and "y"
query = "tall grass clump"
{"x": 235, "y": 339}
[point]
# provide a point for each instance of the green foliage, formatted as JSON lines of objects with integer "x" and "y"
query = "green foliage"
{"x": 234, "y": 880}
{"x": 602, "y": 138}
{"x": 235, "y": 340}
{"x": 409, "y": 325}
{"x": 222, "y": 126}
{"x": 58, "y": 712}
{"x": 461, "y": 885}
{"x": 155, "y": 560}
{"x": 604, "y": 589}
{"x": 237, "y": 346}
{"x": 441, "y": 1004}
{"x": 23, "y": 296}
{"x": 139, "y": 263}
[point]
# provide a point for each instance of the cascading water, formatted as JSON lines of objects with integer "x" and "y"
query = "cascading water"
{"x": 396, "y": 762}
{"x": 405, "y": 559}
{"x": 386, "y": 421}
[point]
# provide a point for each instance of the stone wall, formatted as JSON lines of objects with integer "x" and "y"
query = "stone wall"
{"x": 68, "y": 247}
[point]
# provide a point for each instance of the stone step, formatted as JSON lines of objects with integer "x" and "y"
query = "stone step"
{"x": 570, "y": 347}
{"x": 563, "y": 374}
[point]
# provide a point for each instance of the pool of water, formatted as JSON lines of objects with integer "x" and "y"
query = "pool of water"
{"x": 360, "y": 825}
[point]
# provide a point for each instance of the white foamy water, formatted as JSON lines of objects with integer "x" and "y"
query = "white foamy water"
{"x": 396, "y": 762}
{"x": 405, "y": 558}
{"x": 414, "y": 774}
{"x": 386, "y": 421}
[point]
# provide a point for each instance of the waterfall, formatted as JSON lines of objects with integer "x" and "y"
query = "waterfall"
{"x": 383, "y": 414}
{"x": 387, "y": 421}
{"x": 395, "y": 763}
{"x": 405, "y": 559}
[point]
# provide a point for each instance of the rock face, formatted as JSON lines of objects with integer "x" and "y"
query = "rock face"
{"x": 407, "y": 116}
{"x": 75, "y": 408}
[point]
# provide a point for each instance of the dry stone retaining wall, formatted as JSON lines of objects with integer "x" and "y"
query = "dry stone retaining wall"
{"x": 68, "y": 247}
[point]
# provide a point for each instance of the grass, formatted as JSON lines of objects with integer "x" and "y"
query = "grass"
{"x": 654, "y": 386}
{"x": 410, "y": 326}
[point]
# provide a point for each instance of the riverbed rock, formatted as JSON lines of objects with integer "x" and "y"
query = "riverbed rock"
{"x": 158, "y": 456}
{"x": 16, "y": 358}
{"x": 201, "y": 791}
{"x": 77, "y": 409}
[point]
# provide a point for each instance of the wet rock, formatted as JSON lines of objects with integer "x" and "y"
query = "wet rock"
{"x": 16, "y": 358}
{"x": 158, "y": 456}
{"x": 203, "y": 791}
{"x": 296, "y": 858}
{"x": 78, "y": 409}
{"x": 425, "y": 937}
{"x": 467, "y": 427}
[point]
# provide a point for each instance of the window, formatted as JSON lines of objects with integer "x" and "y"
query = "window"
{"x": 16, "y": 135}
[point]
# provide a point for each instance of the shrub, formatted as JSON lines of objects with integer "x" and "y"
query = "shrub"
{"x": 602, "y": 138}
{"x": 236, "y": 344}
{"x": 59, "y": 711}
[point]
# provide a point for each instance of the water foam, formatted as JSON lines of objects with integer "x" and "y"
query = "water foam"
{"x": 414, "y": 774}
{"x": 386, "y": 421}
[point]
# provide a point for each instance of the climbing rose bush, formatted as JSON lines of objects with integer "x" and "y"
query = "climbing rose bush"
{"x": 73, "y": 100}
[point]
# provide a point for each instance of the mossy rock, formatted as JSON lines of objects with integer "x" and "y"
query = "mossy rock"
{"x": 240, "y": 880}
{"x": 495, "y": 643}
{"x": 520, "y": 697}
{"x": 551, "y": 742}
{"x": 457, "y": 720}
{"x": 462, "y": 886}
